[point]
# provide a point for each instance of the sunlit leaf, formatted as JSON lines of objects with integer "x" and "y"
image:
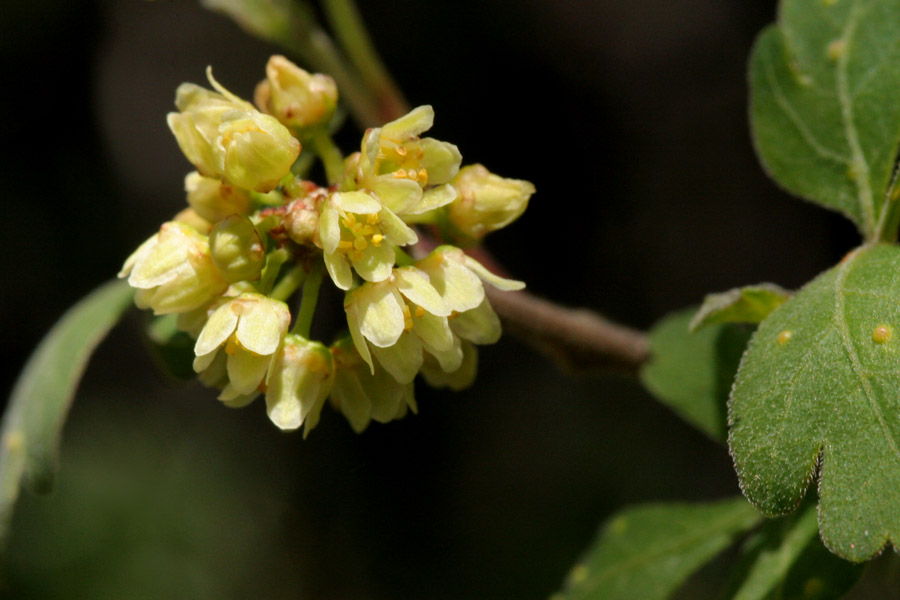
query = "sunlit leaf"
{"x": 648, "y": 551}
{"x": 817, "y": 394}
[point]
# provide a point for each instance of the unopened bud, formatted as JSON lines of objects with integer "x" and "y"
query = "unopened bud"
{"x": 237, "y": 249}
{"x": 297, "y": 98}
{"x": 301, "y": 221}
{"x": 486, "y": 202}
{"x": 213, "y": 199}
{"x": 189, "y": 216}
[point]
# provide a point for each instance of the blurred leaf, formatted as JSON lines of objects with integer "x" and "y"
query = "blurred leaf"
{"x": 824, "y": 110}
{"x": 748, "y": 304}
{"x": 173, "y": 350}
{"x": 289, "y": 23}
{"x": 44, "y": 392}
{"x": 787, "y": 561}
{"x": 646, "y": 552}
{"x": 817, "y": 392}
{"x": 692, "y": 373}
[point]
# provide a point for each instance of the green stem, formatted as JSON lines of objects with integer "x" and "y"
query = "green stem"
{"x": 273, "y": 266}
{"x": 889, "y": 217}
{"x": 348, "y": 26}
{"x": 403, "y": 259}
{"x": 330, "y": 154}
{"x": 288, "y": 284}
{"x": 308, "y": 303}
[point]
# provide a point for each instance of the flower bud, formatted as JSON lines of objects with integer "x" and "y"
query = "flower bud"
{"x": 296, "y": 98}
{"x": 224, "y": 136}
{"x": 256, "y": 151}
{"x": 214, "y": 200}
{"x": 298, "y": 383}
{"x": 189, "y": 216}
{"x": 302, "y": 221}
{"x": 173, "y": 271}
{"x": 486, "y": 202}
{"x": 237, "y": 249}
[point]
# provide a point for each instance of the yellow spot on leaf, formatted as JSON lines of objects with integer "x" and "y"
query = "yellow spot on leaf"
{"x": 836, "y": 49}
{"x": 784, "y": 337}
{"x": 882, "y": 334}
{"x": 14, "y": 441}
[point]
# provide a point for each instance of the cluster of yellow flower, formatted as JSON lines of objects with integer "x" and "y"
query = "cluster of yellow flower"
{"x": 255, "y": 231}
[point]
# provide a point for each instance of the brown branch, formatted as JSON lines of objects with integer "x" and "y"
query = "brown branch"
{"x": 576, "y": 338}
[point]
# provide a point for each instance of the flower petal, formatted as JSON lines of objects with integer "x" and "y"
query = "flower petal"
{"x": 395, "y": 230}
{"x": 403, "y": 359}
{"x": 480, "y": 325}
{"x": 354, "y": 324}
{"x": 358, "y": 202}
{"x": 262, "y": 327}
{"x": 400, "y": 195}
{"x": 376, "y": 262}
{"x": 416, "y": 121}
{"x": 501, "y": 283}
{"x": 381, "y": 313}
{"x": 329, "y": 227}
{"x": 339, "y": 270}
{"x": 218, "y": 328}
{"x": 414, "y": 285}
{"x": 434, "y": 332}
{"x": 350, "y": 396}
{"x": 246, "y": 370}
{"x": 441, "y": 160}
{"x": 435, "y": 197}
{"x": 450, "y": 358}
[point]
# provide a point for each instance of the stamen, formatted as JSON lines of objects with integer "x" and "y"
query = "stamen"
{"x": 420, "y": 312}
{"x": 422, "y": 176}
{"x": 399, "y": 174}
{"x": 372, "y": 218}
{"x": 360, "y": 243}
{"x": 377, "y": 239}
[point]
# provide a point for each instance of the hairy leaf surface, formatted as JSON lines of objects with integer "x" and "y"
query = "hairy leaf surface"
{"x": 692, "y": 372}
{"x": 824, "y": 110}
{"x": 819, "y": 388}
{"x": 646, "y": 552}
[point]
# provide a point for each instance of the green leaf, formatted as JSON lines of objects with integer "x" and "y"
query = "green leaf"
{"x": 787, "y": 561}
{"x": 748, "y": 304}
{"x": 172, "y": 350}
{"x": 41, "y": 398}
{"x": 824, "y": 110}
{"x": 692, "y": 373}
{"x": 817, "y": 390}
{"x": 646, "y": 552}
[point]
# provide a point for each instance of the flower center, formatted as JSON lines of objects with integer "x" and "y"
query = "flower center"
{"x": 357, "y": 234}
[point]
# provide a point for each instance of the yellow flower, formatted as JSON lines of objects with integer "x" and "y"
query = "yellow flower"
{"x": 486, "y": 202}
{"x": 237, "y": 249}
{"x": 249, "y": 330}
{"x": 399, "y": 317}
{"x": 363, "y": 395}
{"x": 409, "y": 174}
{"x": 214, "y": 200}
{"x": 297, "y": 98}
{"x": 298, "y": 383}
{"x": 173, "y": 271}
{"x": 225, "y": 137}
{"x": 356, "y": 230}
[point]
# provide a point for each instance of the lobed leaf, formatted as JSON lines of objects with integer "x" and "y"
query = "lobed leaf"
{"x": 817, "y": 393}
{"x": 41, "y": 398}
{"x": 824, "y": 110}
{"x": 692, "y": 372}
{"x": 648, "y": 551}
{"x": 748, "y": 304}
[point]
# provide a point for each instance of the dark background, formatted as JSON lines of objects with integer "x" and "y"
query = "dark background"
{"x": 630, "y": 118}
